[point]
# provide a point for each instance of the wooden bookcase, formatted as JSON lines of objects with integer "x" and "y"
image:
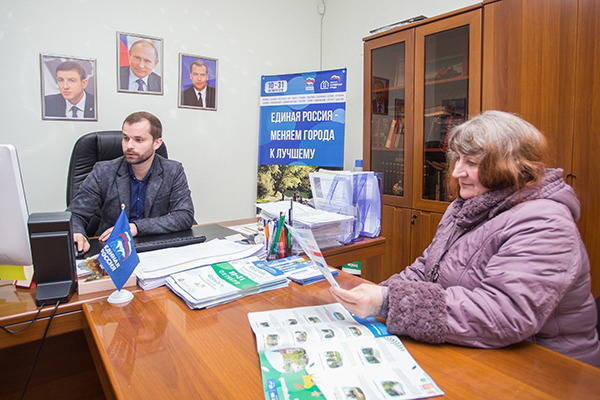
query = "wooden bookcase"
{"x": 540, "y": 60}
{"x": 419, "y": 82}
{"x": 535, "y": 58}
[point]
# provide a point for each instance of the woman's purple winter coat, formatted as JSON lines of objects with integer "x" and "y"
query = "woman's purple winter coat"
{"x": 511, "y": 266}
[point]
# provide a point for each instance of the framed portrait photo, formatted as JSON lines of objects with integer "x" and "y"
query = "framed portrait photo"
{"x": 380, "y": 95}
{"x": 139, "y": 64}
{"x": 68, "y": 88}
{"x": 197, "y": 82}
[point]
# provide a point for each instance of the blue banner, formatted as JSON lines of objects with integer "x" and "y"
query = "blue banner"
{"x": 302, "y": 118}
{"x": 118, "y": 257}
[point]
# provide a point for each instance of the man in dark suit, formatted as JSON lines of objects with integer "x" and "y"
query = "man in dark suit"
{"x": 139, "y": 76}
{"x": 73, "y": 101}
{"x": 153, "y": 189}
{"x": 200, "y": 94}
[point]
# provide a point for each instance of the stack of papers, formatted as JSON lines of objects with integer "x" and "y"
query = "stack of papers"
{"x": 297, "y": 269}
{"x": 329, "y": 229}
{"x": 221, "y": 283}
{"x": 156, "y": 266}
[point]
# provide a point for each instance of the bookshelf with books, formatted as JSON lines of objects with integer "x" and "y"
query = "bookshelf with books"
{"x": 420, "y": 81}
{"x": 445, "y": 58}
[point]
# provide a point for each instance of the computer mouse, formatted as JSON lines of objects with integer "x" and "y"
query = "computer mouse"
{"x": 79, "y": 255}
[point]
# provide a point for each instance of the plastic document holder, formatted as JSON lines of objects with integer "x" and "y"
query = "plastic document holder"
{"x": 357, "y": 194}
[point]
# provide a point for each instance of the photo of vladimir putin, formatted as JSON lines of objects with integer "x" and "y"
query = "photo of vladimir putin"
{"x": 72, "y": 101}
{"x": 138, "y": 64}
{"x": 196, "y": 90}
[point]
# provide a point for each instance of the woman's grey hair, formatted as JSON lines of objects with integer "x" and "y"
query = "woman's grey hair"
{"x": 511, "y": 148}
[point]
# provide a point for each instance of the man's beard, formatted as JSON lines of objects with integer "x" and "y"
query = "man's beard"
{"x": 139, "y": 160}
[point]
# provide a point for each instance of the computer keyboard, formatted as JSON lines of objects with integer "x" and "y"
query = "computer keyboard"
{"x": 170, "y": 242}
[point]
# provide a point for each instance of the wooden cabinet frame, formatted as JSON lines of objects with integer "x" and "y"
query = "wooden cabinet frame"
{"x": 408, "y": 38}
{"x": 473, "y": 19}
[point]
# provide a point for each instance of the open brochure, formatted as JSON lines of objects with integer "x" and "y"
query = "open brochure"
{"x": 323, "y": 352}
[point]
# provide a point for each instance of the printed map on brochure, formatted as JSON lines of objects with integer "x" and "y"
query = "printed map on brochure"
{"x": 323, "y": 352}
{"x": 307, "y": 241}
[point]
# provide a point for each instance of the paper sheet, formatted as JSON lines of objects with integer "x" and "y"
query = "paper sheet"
{"x": 306, "y": 240}
{"x": 12, "y": 272}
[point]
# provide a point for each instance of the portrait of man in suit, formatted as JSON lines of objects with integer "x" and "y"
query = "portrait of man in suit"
{"x": 139, "y": 64}
{"x": 380, "y": 96}
{"x": 198, "y": 80}
{"x": 74, "y": 101}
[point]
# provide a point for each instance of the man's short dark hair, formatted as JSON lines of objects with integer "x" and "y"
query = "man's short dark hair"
{"x": 198, "y": 63}
{"x": 155, "y": 125}
{"x": 72, "y": 66}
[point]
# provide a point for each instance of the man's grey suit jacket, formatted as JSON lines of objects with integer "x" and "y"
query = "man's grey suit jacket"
{"x": 154, "y": 81}
{"x": 168, "y": 206}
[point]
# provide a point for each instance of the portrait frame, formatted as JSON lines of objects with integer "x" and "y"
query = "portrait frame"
{"x": 380, "y": 95}
{"x": 154, "y": 80}
{"x": 186, "y": 96}
{"x": 53, "y": 100}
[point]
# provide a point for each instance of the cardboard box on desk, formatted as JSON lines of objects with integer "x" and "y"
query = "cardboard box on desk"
{"x": 103, "y": 283}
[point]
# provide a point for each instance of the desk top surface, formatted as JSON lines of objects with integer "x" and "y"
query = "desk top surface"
{"x": 155, "y": 347}
{"x": 18, "y": 305}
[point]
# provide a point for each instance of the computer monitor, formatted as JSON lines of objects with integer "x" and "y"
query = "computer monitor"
{"x": 14, "y": 235}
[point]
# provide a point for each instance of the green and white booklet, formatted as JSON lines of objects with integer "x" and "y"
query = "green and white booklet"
{"x": 220, "y": 283}
{"x": 324, "y": 352}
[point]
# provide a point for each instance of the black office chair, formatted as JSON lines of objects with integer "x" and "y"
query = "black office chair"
{"x": 88, "y": 150}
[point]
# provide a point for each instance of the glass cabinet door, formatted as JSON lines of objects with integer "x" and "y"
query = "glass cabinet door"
{"x": 387, "y": 96}
{"x": 445, "y": 64}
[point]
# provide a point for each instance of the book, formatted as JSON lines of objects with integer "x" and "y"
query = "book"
{"x": 394, "y": 137}
{"x": 389, "y": 140}
{"x": 353, "y": 268}
{"x": 86, "y": 285}
{"x": 92, "y": 278}
{"x": 324, "y": 352}
{"x": 28, "y": 282}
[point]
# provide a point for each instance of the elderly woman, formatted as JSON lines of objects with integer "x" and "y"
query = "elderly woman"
{"x": 506, "y": 264}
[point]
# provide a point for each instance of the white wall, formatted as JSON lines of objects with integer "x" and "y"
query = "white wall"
{"x": 346, "y": 23}
{"x": 217, "y": 149}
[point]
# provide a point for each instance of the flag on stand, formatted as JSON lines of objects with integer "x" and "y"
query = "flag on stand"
{"x": 118, "y": 256}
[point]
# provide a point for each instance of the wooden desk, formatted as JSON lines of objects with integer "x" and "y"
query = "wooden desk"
{"x": 17, "y": 306}
{"x": 155, "y": 347}
{"x": 65, "y": 369}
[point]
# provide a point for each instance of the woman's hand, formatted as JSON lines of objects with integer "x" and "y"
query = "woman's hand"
{"x": 364, "y": 300}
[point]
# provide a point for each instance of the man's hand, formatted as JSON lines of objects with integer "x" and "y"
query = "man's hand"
{"x": 106, "y": 233}
{"x": 364, "y": 300}
{"x": 81, "y": 242}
